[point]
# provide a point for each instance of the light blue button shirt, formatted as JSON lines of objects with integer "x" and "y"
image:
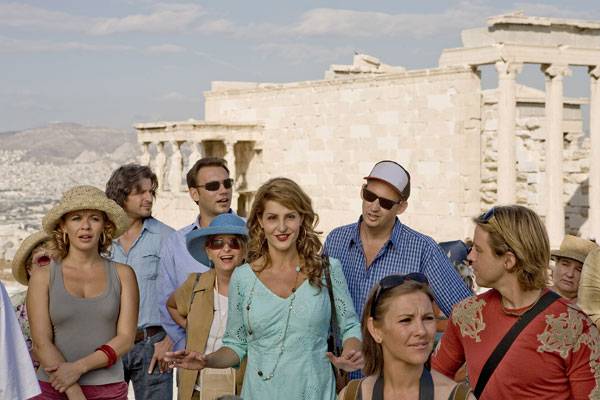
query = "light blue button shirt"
{"x": 144, "y": 258}
{"x": 176, "y": 263}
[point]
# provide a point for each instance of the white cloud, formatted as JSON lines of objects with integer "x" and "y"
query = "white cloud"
{"x": 368, "y": 24}
{"x": 300, "y": 53}
{"x": 9, "y": 45}
{"x": 164, "y": 49}
{"x": 165, "y": 18}
{"x": 25, "y": 16}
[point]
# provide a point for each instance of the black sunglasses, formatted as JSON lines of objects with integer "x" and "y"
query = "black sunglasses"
{"x": 213, "y": 186}
{"x": 392, "y": 281}
{"x": 217, "y": 243}
{"x": 486, "y": 216}
{"x": 369, "y": 196}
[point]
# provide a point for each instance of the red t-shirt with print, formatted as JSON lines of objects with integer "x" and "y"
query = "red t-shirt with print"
{"x": 556, "y": 356}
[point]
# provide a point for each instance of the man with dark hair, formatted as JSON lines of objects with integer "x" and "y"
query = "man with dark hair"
{"x": 133, "y": 187}
{"x": 211, "y": 188}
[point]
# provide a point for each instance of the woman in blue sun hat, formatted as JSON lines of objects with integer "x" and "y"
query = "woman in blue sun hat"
{"x": 200, "y": 304}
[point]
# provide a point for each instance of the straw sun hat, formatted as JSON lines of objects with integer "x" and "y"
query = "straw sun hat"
{"x": 86, "y": 198}
{"x": 588, "y": 297}
{"x": 575, "y": 248}
{"x": 19, "y": 270}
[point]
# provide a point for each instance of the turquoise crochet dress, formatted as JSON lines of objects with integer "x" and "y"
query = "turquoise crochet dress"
{"x": 296, "y": 367}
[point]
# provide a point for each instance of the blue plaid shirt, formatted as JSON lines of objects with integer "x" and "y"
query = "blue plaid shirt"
{"x": 406, "y": 251}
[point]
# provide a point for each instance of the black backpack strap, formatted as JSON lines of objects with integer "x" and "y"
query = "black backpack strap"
{"x": 490, "y": 365}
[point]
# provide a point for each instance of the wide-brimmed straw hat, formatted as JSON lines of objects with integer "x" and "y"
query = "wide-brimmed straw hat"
{"x": 87, "y": 197}
{"x": 223, "y": 224}
{"x": 575, "y": 248}
{"x": 19, "y": 269}
{"x": 588, "y": 297}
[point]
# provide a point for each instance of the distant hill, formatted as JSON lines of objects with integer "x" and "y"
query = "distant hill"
{"x": 63, "y": 142}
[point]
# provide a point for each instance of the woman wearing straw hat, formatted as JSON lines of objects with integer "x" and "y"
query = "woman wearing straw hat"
{"x": 83, "y": 309}
{"x": 279, "y": 305}
{"x": 33, "y": 254}
{"x": 200, "y": 304}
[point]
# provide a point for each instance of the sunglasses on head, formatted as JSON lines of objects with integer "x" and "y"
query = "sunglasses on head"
{"x": 369, "y": 196}
{"x": 392, "y": 281}
{"x": 213, "y": 186}
{"x": 486, "y": 216}
{"x": 218, "y": 243}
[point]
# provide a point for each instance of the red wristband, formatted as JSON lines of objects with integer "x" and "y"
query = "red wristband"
{"x": 110, "y": 354}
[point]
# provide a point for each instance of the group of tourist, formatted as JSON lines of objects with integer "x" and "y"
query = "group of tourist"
{"x": 261, "y": 309}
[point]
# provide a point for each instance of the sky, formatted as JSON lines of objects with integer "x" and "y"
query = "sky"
{"x": 115, "y": 63}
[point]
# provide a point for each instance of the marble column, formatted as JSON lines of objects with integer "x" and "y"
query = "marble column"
{"x": 594, "y": 177}
{"x": 175, "y": 167}
{"x": 145, "y": 156}
{"x": 555, "y": 207}
{"x": 507, "y": 105}
{"x": 230, "y": 158}
{"x": 159, "y": 164}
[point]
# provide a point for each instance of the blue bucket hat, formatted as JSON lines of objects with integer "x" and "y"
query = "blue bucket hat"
{"x": 456, "y": 251}
{"x": 223, "y": 224}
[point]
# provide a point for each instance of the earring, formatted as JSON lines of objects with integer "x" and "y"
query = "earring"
{"x": 65, "y": 238}
{"x": 103, "y": 238}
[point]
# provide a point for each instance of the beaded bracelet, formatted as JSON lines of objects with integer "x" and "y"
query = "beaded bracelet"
{"x": 110, "y": 354}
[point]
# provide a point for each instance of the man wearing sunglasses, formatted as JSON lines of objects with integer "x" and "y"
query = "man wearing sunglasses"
{"x": 133, "y": 187}
{"x": 211, "y": 188}
{"x": 379, "y": 244}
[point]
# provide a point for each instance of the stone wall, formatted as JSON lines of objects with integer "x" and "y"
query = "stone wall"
{"x": 327, "y": 135}
{"x": 530, "y": 141}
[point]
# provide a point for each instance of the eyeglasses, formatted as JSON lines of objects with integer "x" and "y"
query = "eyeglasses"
{"x": 392, "y": 281}
{"x": 217, "y": 244}
{"x": 213, "y": 186}
{"x": 486, "y": 216}
{"x": 369, "y": 196}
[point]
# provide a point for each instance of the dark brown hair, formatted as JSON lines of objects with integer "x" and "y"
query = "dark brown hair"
{"x": 287, "y": 193}
{"x": 201, "y": 163}
{"x": 125, "y": 179}
{"x": 371, "y": 349}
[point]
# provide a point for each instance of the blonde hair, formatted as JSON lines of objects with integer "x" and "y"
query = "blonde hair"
{"x": 372, "y": 352}
{"x": 519, "y": 230}
{"x": 287, "y": 193}
{"x": 59, "y": 242}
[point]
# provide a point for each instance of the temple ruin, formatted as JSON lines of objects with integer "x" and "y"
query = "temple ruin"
{"x": 466, "y": 148}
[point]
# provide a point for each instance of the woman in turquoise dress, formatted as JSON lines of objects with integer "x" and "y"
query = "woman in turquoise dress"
{"x": 279, "y": 308}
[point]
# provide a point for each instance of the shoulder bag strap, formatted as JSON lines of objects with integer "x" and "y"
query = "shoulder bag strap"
{"x": 490, "y": 365}
{"x": 333, "y": 321}
{"x": 192, "y": 299}
{"x": 460, "y": 392}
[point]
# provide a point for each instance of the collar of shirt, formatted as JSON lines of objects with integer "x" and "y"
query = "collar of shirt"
{"x": 196, "y": 224}
{"x": 394, "y": 238}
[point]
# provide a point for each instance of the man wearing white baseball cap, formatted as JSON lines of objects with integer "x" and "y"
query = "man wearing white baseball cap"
{"x": 379, "y": 244}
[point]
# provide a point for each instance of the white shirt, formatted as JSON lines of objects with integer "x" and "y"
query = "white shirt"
{"x": 18, "y": 379}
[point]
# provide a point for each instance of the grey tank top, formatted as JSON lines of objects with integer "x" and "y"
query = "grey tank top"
{"x": 82, "y": 325}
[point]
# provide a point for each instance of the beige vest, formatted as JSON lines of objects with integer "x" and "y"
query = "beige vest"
{"x": 200, "y": 317}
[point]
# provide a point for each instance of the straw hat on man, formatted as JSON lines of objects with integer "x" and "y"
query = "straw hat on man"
{"x": 568, "y": 264}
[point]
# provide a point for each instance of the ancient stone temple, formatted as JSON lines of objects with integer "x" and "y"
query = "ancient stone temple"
{"x": 466, "y": 148}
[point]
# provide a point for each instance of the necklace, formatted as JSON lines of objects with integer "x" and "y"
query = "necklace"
{"x": 292, "y": 297}
{"x": 517, "y": 312}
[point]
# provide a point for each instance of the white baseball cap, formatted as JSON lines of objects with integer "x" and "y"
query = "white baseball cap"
{"x": 394, "y": 174}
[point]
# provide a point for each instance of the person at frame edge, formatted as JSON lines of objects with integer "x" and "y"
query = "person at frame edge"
{"x": 79, "y": 355}
{"x": 279, "y": 308}
{"x": 398, "y": 329}
{"x": 379, "y": 244}
{"x": 200, "y": 304}
{"x": 211, "y": 189}
{"x": 510, "y": 255}
{"x": 133, "y": 187}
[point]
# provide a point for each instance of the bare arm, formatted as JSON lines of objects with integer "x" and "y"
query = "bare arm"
{"x": 67, "y": 373}
{"x": 38, "y": 312}
{"x": 172, "y": 308}
{"x": 222, "y": 358}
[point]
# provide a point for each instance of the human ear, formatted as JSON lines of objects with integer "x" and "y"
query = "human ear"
{"x": 373, "y": 330}
{"x": 510, "y": 260}
{"x": 402, "y": 207}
